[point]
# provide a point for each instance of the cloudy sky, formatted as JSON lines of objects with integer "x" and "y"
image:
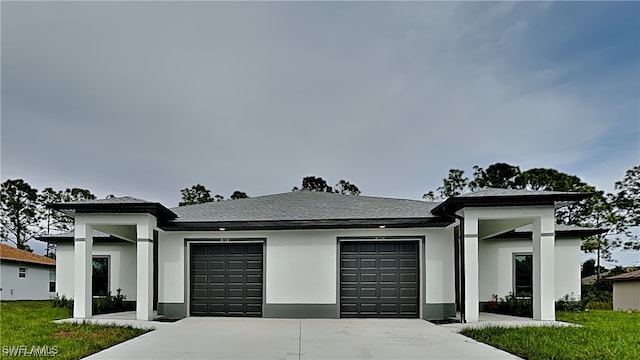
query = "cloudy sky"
{"x": 147, "y": 98}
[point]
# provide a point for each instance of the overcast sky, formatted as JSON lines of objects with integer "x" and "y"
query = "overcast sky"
{"x": 147, "y": 98}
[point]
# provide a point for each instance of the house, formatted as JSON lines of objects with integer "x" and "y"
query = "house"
{"x": 626, "y": 291}
{"x": 308, "y": 254}
{"x": 26, "y": 276}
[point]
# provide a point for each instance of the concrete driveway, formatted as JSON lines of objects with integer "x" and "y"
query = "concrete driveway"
{"x": 243, "y": 338}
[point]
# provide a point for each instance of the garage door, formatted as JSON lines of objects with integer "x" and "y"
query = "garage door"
{"x": 379, "y": 279}
{"x": 226, "y": 280}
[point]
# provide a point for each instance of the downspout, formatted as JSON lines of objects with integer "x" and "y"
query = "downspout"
{"x": 463, "y": 318}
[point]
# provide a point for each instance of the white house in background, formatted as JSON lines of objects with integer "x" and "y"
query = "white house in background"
{"x": 26, "y": 276}
{"x": 308, "y": 254}
{"x": 626, "y": 291}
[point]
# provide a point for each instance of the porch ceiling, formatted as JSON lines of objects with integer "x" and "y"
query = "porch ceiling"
{"x": 493, "y": 227}
{"x": 125, "y": 232}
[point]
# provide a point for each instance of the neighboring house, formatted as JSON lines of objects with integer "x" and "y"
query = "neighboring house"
{"x": 626, "y": 291}
{"x": 26, "y": 276}
{"x": 309, "y": 254}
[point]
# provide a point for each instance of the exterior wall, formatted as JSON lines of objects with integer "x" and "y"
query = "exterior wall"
{"x": 301, "y": 269}
{"x": 122, "y": 267}
{"x": 626, "y": 295}
{"x": 35, "y": 286}
{"x": 496, "y": 266}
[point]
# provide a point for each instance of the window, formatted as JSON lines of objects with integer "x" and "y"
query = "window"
{"x": 523, "y": 275}
{"x": 52, "y": 281}
{"x": 22, "y": 272}
{"x": 100, "y": 278}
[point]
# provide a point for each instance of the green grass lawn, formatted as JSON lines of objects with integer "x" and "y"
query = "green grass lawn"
{"x": 603, "y": 335}
{"x": 28, "y": 323}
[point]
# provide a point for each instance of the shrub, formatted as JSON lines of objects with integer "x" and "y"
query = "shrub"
{"x": 62, "y": 302}
{"x": 569, "y": 303}
{"x": 599, "y": 305}
{"x": 511, "y": 305}
{"x": 109, "y": 303}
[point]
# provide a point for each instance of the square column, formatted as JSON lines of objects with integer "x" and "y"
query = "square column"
{"x": 544, "y": 268}
{"x": 144, "y": 270}
{"x": 83, "y": 268}
{"x": 470, "y": 257}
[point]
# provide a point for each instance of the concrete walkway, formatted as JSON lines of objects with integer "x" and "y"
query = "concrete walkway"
{"x": 243, "y": 338}
{"x": 126, "y": 318}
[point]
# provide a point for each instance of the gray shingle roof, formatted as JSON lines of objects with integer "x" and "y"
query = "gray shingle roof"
{"x": 509, "y": 192}
{"x": 305, "y": 205}
{"x": 116, "y": 200}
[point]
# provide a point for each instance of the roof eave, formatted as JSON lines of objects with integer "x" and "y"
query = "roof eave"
{"x": 458, "y": 202}
{"x": 154, "y": 208}
{"x": 304, "y": 224}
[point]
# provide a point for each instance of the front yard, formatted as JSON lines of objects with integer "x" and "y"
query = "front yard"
{"x": 27, "y": 324}
{"x": 603, "y": 335}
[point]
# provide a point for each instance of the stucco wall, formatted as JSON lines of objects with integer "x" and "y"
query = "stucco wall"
{"x": 496, "y": 266}
{"x": 626, "y": 295}
{"x": 301, "y": 266}
{"x": 35, "y": 286}
{"x": 122, "y": 267}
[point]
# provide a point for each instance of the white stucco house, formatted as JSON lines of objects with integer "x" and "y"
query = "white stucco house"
{"x": 26, "y": 276}
{"x": 309, "y": 254}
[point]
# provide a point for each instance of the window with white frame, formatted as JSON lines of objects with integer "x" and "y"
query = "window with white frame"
{"x": 52, "y": 281}
{"x": 523, "y": 275}
{"x": 22, "y": 272}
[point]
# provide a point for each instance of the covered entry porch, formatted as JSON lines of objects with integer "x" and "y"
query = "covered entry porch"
{"x": 487, "y": 214}
{"x": 131, "y": 254}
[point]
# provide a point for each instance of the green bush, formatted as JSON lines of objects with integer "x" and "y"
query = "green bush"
{"x": 599, "y": 305}
{"x": 511, "y": 305}
{"x": 569, "y": 303}
{"x": 109, "y": 303}
{"x": 62, "y": 302}
{"x": 598, "y": 291}
{"x": 101, "y": 305}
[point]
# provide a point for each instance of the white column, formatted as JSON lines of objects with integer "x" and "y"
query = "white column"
{"x": 83, "y": 268}
{"x": 471, "y": 298}
{"x": 144, "y": 270}
{"x": 543, "y": 268}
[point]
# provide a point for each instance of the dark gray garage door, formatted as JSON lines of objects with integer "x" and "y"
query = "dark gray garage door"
{"x": 379, "y": 279}
{"x": 226, "y": 280}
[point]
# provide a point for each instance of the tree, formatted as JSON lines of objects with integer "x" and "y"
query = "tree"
{"x": 347, "y": 188}
{"x": 238, "y": 195}
{"x": 454, "y": 184}
{"x": 589, "y": 268}
{"x": 627, "y": 202}
{"x": 18, "y": 212}
{"x": 498, "y": 175}
{"x": 55, "y": 220}
{"x": 197, "y": 194}
{"x": 312, "y": 183}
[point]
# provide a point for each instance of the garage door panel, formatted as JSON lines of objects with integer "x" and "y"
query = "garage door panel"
{"x": 230, "y": 284}
{"x": 379, "y": 279}
{"x": 407, "y": 277}
{"x": 387, "y": 263}
{"x": 368, "y": 263}
{"x": 408, "y": 263}
{"x": 349, "y": 278}
{"x": 217, "y": 279}
{"x": 349, "y": 263}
